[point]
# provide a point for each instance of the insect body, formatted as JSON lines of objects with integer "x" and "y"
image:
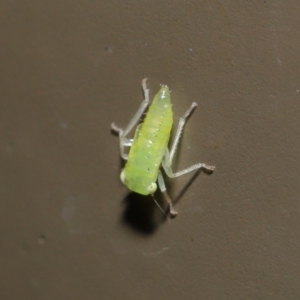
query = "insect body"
{"x": 149, "y": 147}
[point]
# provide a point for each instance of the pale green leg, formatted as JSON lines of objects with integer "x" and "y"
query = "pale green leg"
{"x": 162, "y": 187}
{"x": 168, "y": 157}
{"x": 124, "y": 142}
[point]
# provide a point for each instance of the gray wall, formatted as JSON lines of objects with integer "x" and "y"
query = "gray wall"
{"x": 68, "y": 227}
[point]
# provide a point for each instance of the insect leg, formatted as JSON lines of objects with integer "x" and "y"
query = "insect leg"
{"x": 168, "y": 169}
{"x": 124, "y": 142}
{"x": 179, "y": 130}
{"x": 168, "y": 157}
{"x": 162, "y": 187}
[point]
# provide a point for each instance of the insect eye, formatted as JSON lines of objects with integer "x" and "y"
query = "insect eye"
{"x": 152, "y": 188}
{"x": 122, "y": 176}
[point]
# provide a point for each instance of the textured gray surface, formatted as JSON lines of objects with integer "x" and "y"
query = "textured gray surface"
{"x": 68, "y": 229}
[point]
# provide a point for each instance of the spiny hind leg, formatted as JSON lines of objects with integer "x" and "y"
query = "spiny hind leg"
{"x": 124, "y": 142}
{"x": 162, "y": 187}
{"x": 168, "y": 169}
{"x": 179, "y": 130}
{"x": 168, "y": 157}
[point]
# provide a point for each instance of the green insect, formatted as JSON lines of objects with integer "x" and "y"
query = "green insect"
{"x": 149, "y": 147}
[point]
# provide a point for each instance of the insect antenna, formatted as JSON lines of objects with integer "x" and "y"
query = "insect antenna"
{"x": 160, "y": 207}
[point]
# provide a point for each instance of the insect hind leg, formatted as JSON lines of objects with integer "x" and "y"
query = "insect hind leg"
{"x": 179, "y": 130}
{"x": 122, "y": 133}
{"x": 168, "y": 157}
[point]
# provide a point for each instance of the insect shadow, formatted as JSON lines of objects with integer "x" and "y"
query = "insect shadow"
{"x": 188, "y": 184}
{"x": 142, "y": 214}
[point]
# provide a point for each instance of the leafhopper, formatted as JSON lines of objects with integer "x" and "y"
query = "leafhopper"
{"x": 149, "y": 147}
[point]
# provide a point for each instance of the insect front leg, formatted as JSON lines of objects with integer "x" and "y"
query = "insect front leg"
{"x": 162, "y": 187}
{"x": 124, "y": 142}
{"x": 168, "y": 157}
